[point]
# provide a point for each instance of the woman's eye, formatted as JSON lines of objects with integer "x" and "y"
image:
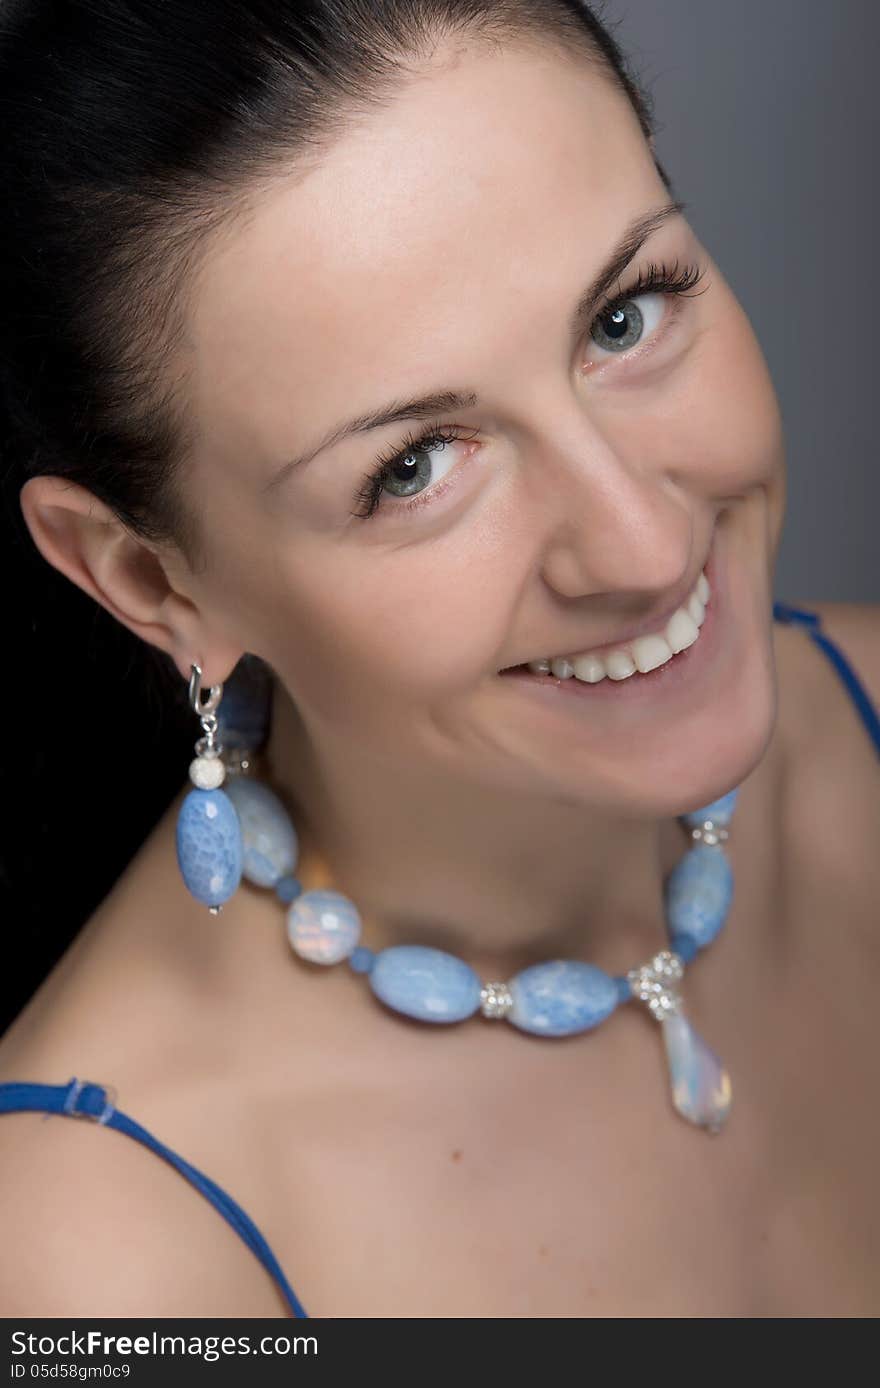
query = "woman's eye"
{"x": 412, "y": 472}
{"x": 416, "y": 468}
{"x": 635, "y": 316}
{"x": 626, "y": 323}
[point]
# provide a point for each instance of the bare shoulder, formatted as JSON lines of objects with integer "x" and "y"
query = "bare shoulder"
{"x": 96, "y": 1224}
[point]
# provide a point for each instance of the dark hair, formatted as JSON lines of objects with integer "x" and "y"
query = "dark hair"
{"x": 131, "y": 132}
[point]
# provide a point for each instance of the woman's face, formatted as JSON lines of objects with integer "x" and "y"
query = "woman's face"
{"x": 577, "y": 489}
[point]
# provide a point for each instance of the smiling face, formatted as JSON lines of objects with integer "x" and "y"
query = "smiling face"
{"x": 576, "y": 490}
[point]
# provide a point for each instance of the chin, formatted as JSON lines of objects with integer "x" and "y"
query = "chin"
{"x": 722, "y": 751}
{"x": 717, "y": 745}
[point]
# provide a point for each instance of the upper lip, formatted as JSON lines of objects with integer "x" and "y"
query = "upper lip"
{"x": 656, "y": 622}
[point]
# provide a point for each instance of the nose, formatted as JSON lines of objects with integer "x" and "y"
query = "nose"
{"x": 611, "y": 524}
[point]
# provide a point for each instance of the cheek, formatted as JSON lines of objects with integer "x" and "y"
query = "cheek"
{"x": 753, "y": 419}
{"x": 750, "y": 427}
{"x": 734, "y": 408}
{"x": 362, "y": 651}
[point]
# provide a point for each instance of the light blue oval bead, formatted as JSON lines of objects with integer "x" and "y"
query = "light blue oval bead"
{"x": 698, "y": 893}
{"x": 720, "y": 811}
{"x": 560, "y": 997}
{"x": 323, "y": 926}
{"x": 271, "y": 845}
{"x": 425, "y": 983}
{"x": 209, "y": 846}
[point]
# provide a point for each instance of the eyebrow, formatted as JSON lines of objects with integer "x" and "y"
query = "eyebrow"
{"x": 444, "y": 401}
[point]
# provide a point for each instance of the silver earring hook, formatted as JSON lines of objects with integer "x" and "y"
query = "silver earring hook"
{"x": 204, "y": 710}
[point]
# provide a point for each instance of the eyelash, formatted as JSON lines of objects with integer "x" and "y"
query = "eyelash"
{"x": 656, "y": 279}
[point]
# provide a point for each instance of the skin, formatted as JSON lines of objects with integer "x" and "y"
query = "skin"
{"x": 444, "y": 241}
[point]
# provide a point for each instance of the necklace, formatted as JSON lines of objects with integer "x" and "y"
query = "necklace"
{"x": 244, "y": 830}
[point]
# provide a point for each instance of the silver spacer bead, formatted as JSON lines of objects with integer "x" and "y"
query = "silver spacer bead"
{"x": 496, "y": 1000}
{"x": 654, "y": 983}
{"x": 214, "y": 910}
{"x": 710, "y": 832}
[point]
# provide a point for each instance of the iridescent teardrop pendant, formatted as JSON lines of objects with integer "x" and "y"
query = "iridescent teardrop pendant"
{"x": 700, "y": 1085}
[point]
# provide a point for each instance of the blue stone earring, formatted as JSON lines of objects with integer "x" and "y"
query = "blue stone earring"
{"x": 209, "y": 840}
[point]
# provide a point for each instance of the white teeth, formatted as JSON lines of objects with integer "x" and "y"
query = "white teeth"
{"x": 589, "y": 668}
{"x": 681, "y": 631}
{"x": 619, "y": 664}
{"x": 696, "y": 609}
{"x": 643, "y": 653}
{"x": 650, "y": 651}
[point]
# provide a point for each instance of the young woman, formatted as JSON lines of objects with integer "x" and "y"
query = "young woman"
{"x": 368, "y": 342}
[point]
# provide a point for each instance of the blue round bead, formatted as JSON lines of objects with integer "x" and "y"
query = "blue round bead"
{"x": 561, "y": 997}
{"x": 361, "y": 960}
{"x": 424, "y": 983}
{"x": 209, "y": 846}
{"x": 271, "y": 846}
{"x": 287, "y": 888}
{"x": 698, "y": 893}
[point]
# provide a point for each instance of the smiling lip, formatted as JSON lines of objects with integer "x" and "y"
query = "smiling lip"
{"x": 649, "y": 627}
{"x": 669, "y": 679}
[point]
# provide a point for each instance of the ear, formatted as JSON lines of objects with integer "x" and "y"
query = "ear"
{"x": 82, "y": 538}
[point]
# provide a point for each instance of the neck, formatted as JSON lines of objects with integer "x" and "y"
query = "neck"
{"x": 500, "y": 880}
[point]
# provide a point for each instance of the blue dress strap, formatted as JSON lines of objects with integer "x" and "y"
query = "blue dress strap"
{"x": 83, "y": 1099}
{"x": 784, "y": 612}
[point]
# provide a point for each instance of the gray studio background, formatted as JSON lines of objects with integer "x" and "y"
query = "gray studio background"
{"x": 767, "y": 122}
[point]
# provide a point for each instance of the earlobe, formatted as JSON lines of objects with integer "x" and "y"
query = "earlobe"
{"x": 83, "y": 539}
